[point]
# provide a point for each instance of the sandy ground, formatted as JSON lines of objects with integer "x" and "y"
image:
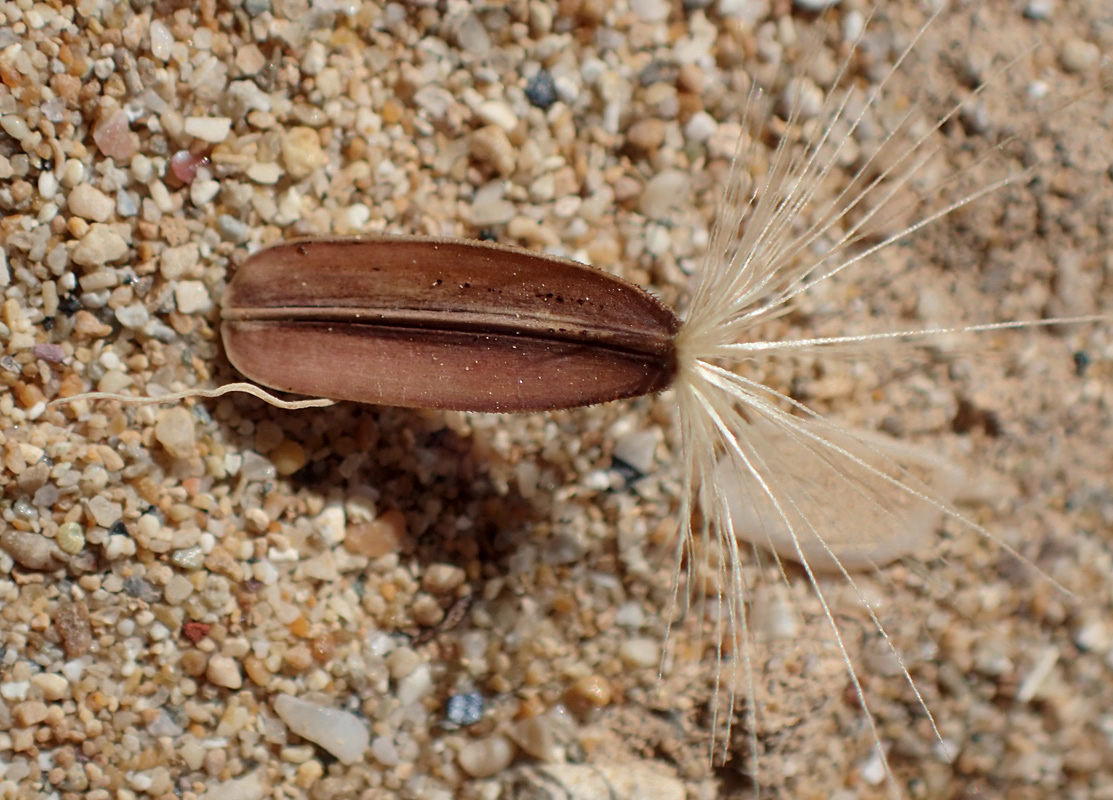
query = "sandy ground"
{"x": 166, "y": 575}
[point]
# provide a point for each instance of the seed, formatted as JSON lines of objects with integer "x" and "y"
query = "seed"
{"x": 436, "y": 323}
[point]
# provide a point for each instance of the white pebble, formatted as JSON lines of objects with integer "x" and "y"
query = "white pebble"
{"x": 700, "y": 127}
{"x": 161, "y": 40}
{"x": 224, "y": 671}
{"x": 815, "y": 5}
{"x": 494, "y": 112}
{"x": 1078, "y": 55}
{"x": 208, "y": 129}
{"x": 342, "y": 734}
{"x": 201, "y": 192}
{"x": 486, "y": 757}
{"x": 1039, "y": 9}
{"x": 651, "y": 10}
{"x": 100, "y": 245}
{"x": 89, "y": 202}
{"x": 249, "y": 787}
{"x": 265, "y": 172}
{"x": 331, "y": 524}
{"x": 192, "y": 297}
{"x": 415, "y": 686}
{"x": 175, "y": 431}
{"x": 664, "y": 192}
{"x": 16, "y": 127}
{"x": 177, "y": 590}
{"x": 134, "y": 317}
{"x": 52, "y": 685}
{"x": 640, "y": 653}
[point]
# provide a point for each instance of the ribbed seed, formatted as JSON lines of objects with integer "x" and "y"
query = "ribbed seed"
{"x": 447, "y": 324}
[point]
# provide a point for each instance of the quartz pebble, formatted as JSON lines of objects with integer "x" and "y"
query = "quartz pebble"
{"x": 301, "y": 152}
{"x": 100, "y": 245}
{"x": 29, "y": 550}
{"x": 340, "y": 733}
{"x": 91, "y": 203}
{"x": 224, "y": 671}
{"x": 486, "y": 757}
{"x": 213, "y": 130}
{"x": 175, "y": 431}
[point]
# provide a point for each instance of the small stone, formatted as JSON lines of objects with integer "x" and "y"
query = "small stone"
{"x": 301, "y": 152}
{"x": 590, "y": 692}
{"x": 250, "y": 787}
{"x": 134, "y": 317}
{"x": 814, "y": 6}
{"x": 188, "y": 558}
{"x": 161, "y": 40}
{"x": 250, "y": 59}
{"x": 201, "y": 192}
{"x": 541, "y": 90}
{"x": 288, "y": 457}
{"x": 52, "y": 685}
{"x": 175, "y": 432}
{"x": 426, "y": 611}
{"x": 265, "y": 172}
{"x": 495, "y": 112}
{"x": 491, "y": 146}
{"x": 663, "y": 194}
{"x": 175, "y": 262}
{"x": 415, "y": 686}
{"x": 377, "y": 538}
{"x": 1039, "y": 9}
{"x": 29, "y": 712}
{"x": 700, "y": 127}
{"x": 640, "y": 653}
{"x": 442, "y": 578}
{"x": 71, "y": 621}
{"x": 100, "y": 245}
{"x": 651, "y": 10}
{"x": 71, "y": 538}
{"x": 89, "y": 202}
{"x": 465, "y": 709}
{"x": 330, "y": 524}
{"x": 30, "y": 550}
{"x": 177, "y": 590}
{"x": 213, "y": 130}
{"x": 113, "y": 137}
{"x": 486, "y": 757}
{"x": 472, "y": 38}
{"x": 342, "y": 734}
{"x": 646, "y": 134}
{"x": 192, "y": 297}
{"x": 1078, "y": 55}
{"x": 224, "y": 671}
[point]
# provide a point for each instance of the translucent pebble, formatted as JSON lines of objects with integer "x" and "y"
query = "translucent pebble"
{"x": 486, "y": 757}
{"x": 341, "y": 733}
{"x": 175, "y": 431}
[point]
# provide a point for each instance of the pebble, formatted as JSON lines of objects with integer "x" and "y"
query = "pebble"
{"x": 213, "y": 130}
{"x": 541, "y": 90}
{"x": 224, "y": 671}
{"x": 491, "y": 146}
{"x": 1039, "y": 9}
{"x": 30, "y": 550}
{"x": 288, "y": 457}
{"x": 100, "y": 245}
{"x": 265, "y": 172}
{"x": 331, "y": 524}
{"x": 1078, "y": 55}
{"x": 663, "y": 194}
{"x": 301, "y": 152}
{"x": 71, "y": 621}
{"x": 464, "y": 709}
{"x": 192, "y": 297}
{"x": 591, "y": 691}
{"x": 89, "y": 202}
{"x": 640, "y": 653}
{"x": 174, "y": 430}
{"x": 375, "y": 539}
{"x": 176, "y": 591}
{"x": 113, "y": 136}
{"x": 486, "y": 757}
{"x": 415, "y": 686}
{"x": 71, "y": 538}
{"x": 815, "y": 6}
{"x": 161, "y": 40}
{"x": 599, "y": 781}
{"x": 340, "y": 733}
{"x": 249, "y": 787}
{"x": 651, "y": 10}
{"x": 52, "y": 685}
{"x": 29, "y": 712}
{"x": 442, "y": 578}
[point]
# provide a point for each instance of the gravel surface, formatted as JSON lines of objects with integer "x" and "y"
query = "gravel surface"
{"x": 223, "y": 600}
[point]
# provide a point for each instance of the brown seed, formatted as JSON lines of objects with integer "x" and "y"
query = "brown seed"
{"x": 438, "y": 323}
